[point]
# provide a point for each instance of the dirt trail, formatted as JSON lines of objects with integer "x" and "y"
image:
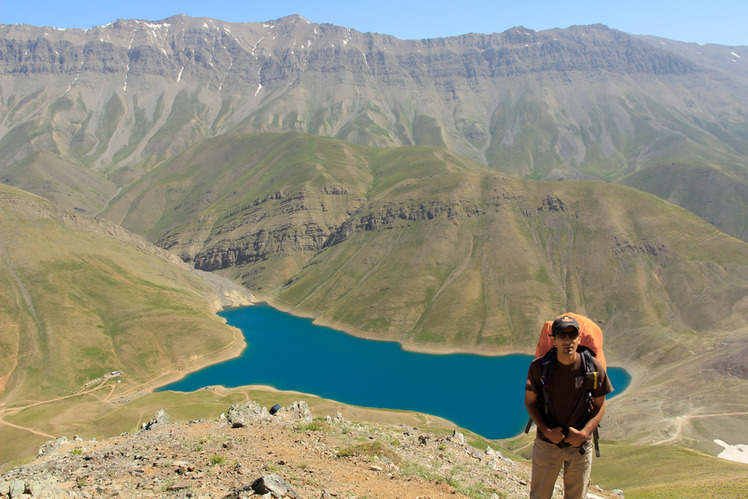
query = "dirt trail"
{"x": 680, "y": 421}
{"x": 104, "y": 383}
{"x": 30, "y": 430}
{"x": 9, "y": 411}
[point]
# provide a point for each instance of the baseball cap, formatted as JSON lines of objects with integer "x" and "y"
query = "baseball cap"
{"x": 562, "y": 323}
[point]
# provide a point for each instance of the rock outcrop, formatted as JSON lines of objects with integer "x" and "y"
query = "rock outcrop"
{"x": 288, "y": 454}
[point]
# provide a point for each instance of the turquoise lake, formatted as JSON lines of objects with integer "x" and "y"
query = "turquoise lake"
{"x": 483, "y": 394}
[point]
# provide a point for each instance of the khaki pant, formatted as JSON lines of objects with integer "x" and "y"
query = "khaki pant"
{"x": 547, "y": 460}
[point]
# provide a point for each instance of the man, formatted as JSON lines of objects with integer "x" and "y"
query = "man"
{"x": 565, "y": 421}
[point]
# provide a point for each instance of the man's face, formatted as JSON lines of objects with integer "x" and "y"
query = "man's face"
{"x": 567, "y": 340}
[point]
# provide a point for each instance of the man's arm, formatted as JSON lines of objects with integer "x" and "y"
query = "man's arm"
{"x": 555, "y": 435}
{"x": 578, "y": 437}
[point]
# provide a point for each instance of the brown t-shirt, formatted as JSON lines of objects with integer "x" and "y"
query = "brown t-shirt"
{"x": 567, "y": 398}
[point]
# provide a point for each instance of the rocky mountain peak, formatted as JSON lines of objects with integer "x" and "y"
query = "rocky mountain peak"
{"x": 291, "y": 19}
{"x": 177, "y": 18}
{"x": 519, "y": 35}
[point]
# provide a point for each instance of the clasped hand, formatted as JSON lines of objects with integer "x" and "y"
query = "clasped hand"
{"x": 575, "y": 438}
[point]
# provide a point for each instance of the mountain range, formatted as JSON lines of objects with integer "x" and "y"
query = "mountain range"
{"x": 450, "y": 194}
{"x": 586, "y": 102}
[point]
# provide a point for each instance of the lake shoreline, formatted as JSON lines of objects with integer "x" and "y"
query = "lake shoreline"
{"x": 431, "y": 349}
{"x": 333, "y": 364}
{"x": 414, "y": 347}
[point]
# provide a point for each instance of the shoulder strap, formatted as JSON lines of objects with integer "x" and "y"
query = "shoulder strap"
{"x": 590, "y": 368}
{"x": 548, "y": 362}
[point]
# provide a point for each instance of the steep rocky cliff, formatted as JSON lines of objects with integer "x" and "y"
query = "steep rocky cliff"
{"x": 582, "y": 102}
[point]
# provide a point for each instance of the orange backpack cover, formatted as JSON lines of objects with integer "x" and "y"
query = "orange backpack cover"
{"x": 592, "y": 337}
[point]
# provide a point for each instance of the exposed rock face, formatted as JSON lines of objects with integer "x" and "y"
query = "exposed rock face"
{"x": 285, "y": 239}
{"x": 376, "y": 217}
{"x": 180, "y": 43}
{"x": 130, "y": 94}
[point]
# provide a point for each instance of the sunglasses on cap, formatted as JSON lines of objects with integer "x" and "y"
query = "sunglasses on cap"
{"x": 572, "y": 335}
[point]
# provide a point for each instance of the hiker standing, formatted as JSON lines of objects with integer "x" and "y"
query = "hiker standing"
{"x": 565, "y": 397}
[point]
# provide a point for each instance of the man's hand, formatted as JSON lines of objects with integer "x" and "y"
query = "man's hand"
{"x": 555, "y": 435}
{"x": 575, "y": 438}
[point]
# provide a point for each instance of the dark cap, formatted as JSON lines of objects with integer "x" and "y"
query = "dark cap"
{"x": 562, "y": 323}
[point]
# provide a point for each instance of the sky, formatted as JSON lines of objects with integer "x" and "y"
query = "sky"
{"x": 723, "y": 22}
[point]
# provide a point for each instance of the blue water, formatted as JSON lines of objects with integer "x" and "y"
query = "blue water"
{"x": 483, "y": 394}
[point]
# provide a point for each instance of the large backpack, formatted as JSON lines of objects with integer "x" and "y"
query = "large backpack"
{"x": 590, "y": 345}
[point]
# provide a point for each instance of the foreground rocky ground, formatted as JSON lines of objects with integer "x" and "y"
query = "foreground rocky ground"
{"x": 250, "y": 451}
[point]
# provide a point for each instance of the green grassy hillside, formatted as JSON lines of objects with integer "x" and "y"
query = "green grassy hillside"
{"x": 719, "y": 198}
{"x": 66, "y": 183}
{"x": 332, "y": 228}
{"x": 655, "y": 470}
{"x": 82, "y": 298}
{"x": 437, "y": 252}
{"x": 419, "y": 245}
{"x": 668, "y": 471}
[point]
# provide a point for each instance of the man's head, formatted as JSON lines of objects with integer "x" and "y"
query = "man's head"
{"x": 566, "y": 338}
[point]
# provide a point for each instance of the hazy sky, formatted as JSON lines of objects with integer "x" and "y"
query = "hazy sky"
{"x": 707, "y": 21}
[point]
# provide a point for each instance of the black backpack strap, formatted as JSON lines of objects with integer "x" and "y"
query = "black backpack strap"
{"x": 547, "y": 362}
{"x": 590, "y": 368}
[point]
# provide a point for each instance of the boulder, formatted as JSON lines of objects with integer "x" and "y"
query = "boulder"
{"x": 46, "y": 487}
{"x": 457, "y": 438}
{"x": 275, "y": 486}
{"x": 267, "y": 486}
{"x": 52, "y": 444}
{"x": 158, "y": 419}
{"x": 17, "y": 488}
{"x": 298, "y": 411}
{"x": 241, "y": 415}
